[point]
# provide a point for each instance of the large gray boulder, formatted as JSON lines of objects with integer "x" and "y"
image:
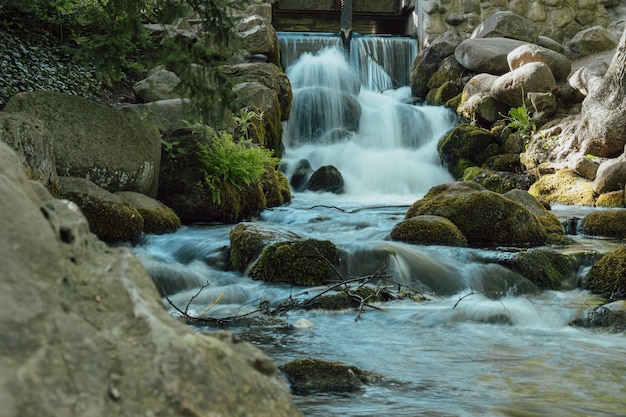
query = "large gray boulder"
{"x": 486, "y": 54}
{"x": 589, "y": 41}
{"x": 611, "y": 175}
{"x": 84, "y": 332}
{"x": 159, "y": 85}
{"x": 512, "y": 87}
{"x": 259, "y": 37}
{"x": 113, "y": 148}
{"x": 506, "y": 24}
{"x": 559, "y": 64}
{"x": 28, "y": 137}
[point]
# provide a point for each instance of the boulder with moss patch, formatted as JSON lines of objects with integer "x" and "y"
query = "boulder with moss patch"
{"x": 428, "y": 230}
{"x": 564, "y": 187}
{"x": 608, "y": 275}
{"x": 110, "y": 218}
{"x": 157, "y": 217}
{"x": 485, "y": 218}
{"x": 465, "y": 146}
{"x": 613, "y": 199}
{"x": 310, "y": 375}
{"x": 550, "y": 222}
{"x": 247, "y": 240}
{"x": 301, "y": 262}
{"x": 496, "y": 181}
{"x": 546, "y": 268}
{"x": 607, "y": 223}
{"x": 610, "y": 316}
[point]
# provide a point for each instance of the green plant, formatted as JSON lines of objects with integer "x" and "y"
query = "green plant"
{"x": 226, "y": 160}
{"x": 243, "y": 120}
{"x": 173, "y": 149}
{"x": 520, "y": 120}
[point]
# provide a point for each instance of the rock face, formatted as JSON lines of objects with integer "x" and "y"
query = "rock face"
{"x": 594, "y": 39}
{"x": 247, "y": 240}
{"x": 92, "y": 337}
{"x": 564, "y": 187}
{"x": 428, "y": 60}
{"x": 611, "y": 175}
{"x": 157, "y": 217}
{"x": 485, "y": 218}
{"x": 608, "y": 275}
{"x": 113, "y": 148}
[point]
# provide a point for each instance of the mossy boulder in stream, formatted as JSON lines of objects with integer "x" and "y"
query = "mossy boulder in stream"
{"x": 607, "y": 223}
{"x": 157, "y": 217}
{"x": 485, "y": 218}
{"x": 608, "y": 275}
{"x": 306, "y": 375}
{"x": 564, "y": 187}
{"x": 428, "y": 230}
{"x": 300, "y": 262}
{"x": 247, "y": 240}
{"x": 497, "y": 181}
{"x": 546, "y": 268}
{"x": 466, "y": 146}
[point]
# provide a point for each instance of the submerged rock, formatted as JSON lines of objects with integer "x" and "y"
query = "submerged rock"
{"x": 310, "y": 375}
{"x": 92, "y": 337}
{"x": 326, "y": 178}
{"x": 485, "y": 218}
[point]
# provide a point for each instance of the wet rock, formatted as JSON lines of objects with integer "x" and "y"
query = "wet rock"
{"x": 496, "y": 181}
{"x": 507, "y": 24}
{"x": 157, "y": 217}
{"x": 611, "y": 175}
{"x": 247, "y": 240}
{"x": 613, "y": 199}
{"x": 347, "y": 298}
{"x": 608, "y": 223}
{"x": 485, "y": 218}
{"x": 300, "y": 176}
{"x": 110, "y": 217}
{"x": 558, "y": 63}
{"x": 608, "y": 275}
{"x": 564, "y": 187}
{"x": 449, "y": 70}
{"x": 326, "y": 178}
{"x": 464, "y": 146}
{"x": 95, "y": 339}
{"x": 301, "y": 262}
{"x": 276, "y": 187}
{"x": 486, "y": 55}
{"x": 550, "y": 222}
{"x": 440, "y": 95}
{"x": 546, "y": 268}
{"x": 259, "y": 37}
{"x": 512, "y": 87}
{"x": 311, "y": 375}
{"x": 27, "y": 136}
{"x": 115, "y": 149}
{"x": 611, "y": 316}
{"x": 428, "y": 230}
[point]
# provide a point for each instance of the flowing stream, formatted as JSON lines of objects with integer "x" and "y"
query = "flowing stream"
{"x": 460, "y": 353}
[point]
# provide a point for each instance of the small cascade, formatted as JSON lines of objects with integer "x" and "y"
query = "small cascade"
{"x": 383, "y": 62}
{"x": 294, "y": 44}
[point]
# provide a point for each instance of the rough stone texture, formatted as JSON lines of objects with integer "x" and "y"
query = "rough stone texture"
{"x": 157, "y": 217}
{"x": 608, "y": 275}
{"x": 588, "y": 77}
{"x": 486, "y": 55}
{"x": 613, "y": 199}
{"x": 588, "y": 41}
{"x": 564, "y": 187}
{"x": 159, "y": 85}
{"x": 550, "y": 43}
{"x": 559, "y": 64}
{"x": 300, "y": 176}
{"x": 482, "y": 108}
{"x": 507, "y": 24}
{"x": 608, "y": 223}
{"x": 585, "y": 167}
{"x": 28, "y": 137}
{"x": 465, "y": 146}
{"x": 428, "y": 230}
{"x": 326, "y": 178}
{"x": 310, "y": 375}
{"x": 110, "y": 218}
{"x": 428, "y": 60}
{"x": 485, "y": 218}
{"x": 299, "y": 262}
{"x": 113, "y": 148}
{"x": 611, "y": 176}
{"x": 259, "y": 37}
{"x": 95, "y": 339}
{"x": 512, "y": 87}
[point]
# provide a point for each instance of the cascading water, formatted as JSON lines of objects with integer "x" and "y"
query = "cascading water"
{"x": 462, "y": 353}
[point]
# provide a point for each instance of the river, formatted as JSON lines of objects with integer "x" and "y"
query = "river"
{"x": 457, "y": 354}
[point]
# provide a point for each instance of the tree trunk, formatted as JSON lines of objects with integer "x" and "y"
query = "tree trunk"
{"x": 603, "y": 128}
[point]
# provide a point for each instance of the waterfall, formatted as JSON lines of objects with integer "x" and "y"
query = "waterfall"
{"x": 381, "y": 144}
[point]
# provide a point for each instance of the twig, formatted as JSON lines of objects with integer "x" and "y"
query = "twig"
{"x": 462, "y": 298}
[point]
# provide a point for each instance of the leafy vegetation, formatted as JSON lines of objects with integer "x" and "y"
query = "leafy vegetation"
{"x": 238, "y": 163}
{"x": 520, "y": 120}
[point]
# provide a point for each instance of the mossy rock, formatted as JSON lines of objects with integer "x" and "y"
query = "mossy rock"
{"x": 440, "y": 95}
{"x": 548, "y": 220}
{"x": 465, "y": 146}
{"x": 607, "y": 223}
{"x": 504, "y": 162}
{"x": 247, "y": 240}
{"x": 311, "y": 375}
{"x": 564, "y": 187}
{"x": 610, "y": 316}
{"x": 346, "y": 299}
{"x": 608, "y": 275}
{"x": 485, "y": 218}
{"x": 275, "y": 187}
{"x": 110, "y": 218}
{"x": 546, "y": 268}
{"x": 157, "y": 217}
{"x": 613, "y": 199}
{"x": 302, "y": 262}
{"x": 496, "y": 181}
{"x": 428, "y": 230}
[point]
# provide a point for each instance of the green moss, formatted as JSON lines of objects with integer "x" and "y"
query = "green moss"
{"x": 613, "y": 199}
{"x": 440, "y": 95}
{"x": 564, "y": 187}
{"x": 302, "y": 262}
{"x": 499, "y": 182}
{"x": 546, "y": 268}
{"x": 159, "y": 220}
{"x": 306, "y": 375}
{"x": 428, "y": 230}
{"x": 608, "y": 275}
{"x": 465, "y": 146}
{"x": 504, "y": 162}
{"x": 247, "y": 240}
{"x": 608, "y": 223}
